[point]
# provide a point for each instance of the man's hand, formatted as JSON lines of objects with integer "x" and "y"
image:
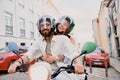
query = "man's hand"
{"x": 79, "y": 68}
{"x": 49, "y": 58}
{"x": 60, "y": 58}
{"x": 12, "y": 68}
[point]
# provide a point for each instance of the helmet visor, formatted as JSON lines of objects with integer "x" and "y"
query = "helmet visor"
{"x": 65, "y": 21}
{"x": 45, "y": 22}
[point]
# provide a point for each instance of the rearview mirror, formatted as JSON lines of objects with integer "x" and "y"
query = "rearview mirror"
{"x": 12, "y": 46}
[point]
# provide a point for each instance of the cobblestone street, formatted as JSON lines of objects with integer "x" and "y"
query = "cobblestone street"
{"x": 15, "y": 76}
{"x": 97, "y": 74}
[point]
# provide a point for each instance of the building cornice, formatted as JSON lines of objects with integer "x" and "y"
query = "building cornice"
{"x": 108, "y": 3}
{"x": 53, "y": 5}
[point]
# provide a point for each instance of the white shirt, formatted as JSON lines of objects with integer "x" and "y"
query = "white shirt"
{"x": 60, "y": 44}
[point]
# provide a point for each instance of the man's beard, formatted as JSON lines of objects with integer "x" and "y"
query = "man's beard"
{"x": 45, "y": 34}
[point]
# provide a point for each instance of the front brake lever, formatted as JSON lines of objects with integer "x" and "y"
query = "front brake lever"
{"x": 70, "y": 69}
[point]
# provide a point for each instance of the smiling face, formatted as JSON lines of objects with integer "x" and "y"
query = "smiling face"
{"x": 63, "y": 26}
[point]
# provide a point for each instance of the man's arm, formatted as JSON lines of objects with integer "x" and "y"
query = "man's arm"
{"x": 12, "y": 68}
{"x": 79, "y": 68}
{"x": 73, "y": 52}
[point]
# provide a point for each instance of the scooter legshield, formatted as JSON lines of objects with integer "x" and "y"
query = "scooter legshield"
{"x": 39, "y": 71}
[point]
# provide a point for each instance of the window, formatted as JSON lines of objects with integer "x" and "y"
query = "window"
{"x": 22, "y": 44}
{"x": 30, "y": 4}
{"x": 31, "y": 14}
{"x": 21, "y": 2}
{"x": 21, "y": 5}
{"x": 9, "y": 23}
{"x": 31, "y": 30}
{"x": 32, "y": 34}
{"x": 22, "y": 27}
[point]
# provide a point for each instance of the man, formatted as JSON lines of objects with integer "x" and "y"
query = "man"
{"x": 60, "y": 49}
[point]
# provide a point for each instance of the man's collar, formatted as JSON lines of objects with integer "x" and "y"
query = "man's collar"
{"x": 53, "y": 39}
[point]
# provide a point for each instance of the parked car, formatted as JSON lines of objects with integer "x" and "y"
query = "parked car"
{"x": 7, "y": 57}
{"x": 23, "y": 49}
{"x": 97, "y": 59}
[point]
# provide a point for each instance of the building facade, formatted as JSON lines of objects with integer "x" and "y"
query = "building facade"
{"x": 108, "y": 30}
{"x": 18, "y": 19}
{"x": 100, "y": 28}
{"x": 114, "y": 25}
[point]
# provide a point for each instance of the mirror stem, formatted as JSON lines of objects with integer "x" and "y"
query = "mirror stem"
{"x": 83, "y": 52}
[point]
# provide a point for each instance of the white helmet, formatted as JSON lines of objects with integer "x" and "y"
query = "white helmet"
{"x": 45, "y": 18}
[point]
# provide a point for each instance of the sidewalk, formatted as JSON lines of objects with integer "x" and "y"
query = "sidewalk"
{"x": 115, "y": 64}
{"x": 98, "y": 73}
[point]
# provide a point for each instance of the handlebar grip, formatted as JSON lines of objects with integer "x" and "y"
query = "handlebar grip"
{"x": 18, "y": 69}
{"x": 70, "y": 69}
{"x": 54, "y": 75}
{"x": 22, "y": 68}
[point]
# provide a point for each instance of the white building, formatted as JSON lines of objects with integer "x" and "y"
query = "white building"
{"x": 18, "y": 19}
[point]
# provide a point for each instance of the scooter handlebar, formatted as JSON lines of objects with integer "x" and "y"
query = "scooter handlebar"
{"x": 69, "y": 69}
{"x": 22, "y": 68}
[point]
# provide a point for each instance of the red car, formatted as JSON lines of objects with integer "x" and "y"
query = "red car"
{"x": 97, "y": 59}
{"x": 6, "y": 58}
{"x": 23, "y": 49}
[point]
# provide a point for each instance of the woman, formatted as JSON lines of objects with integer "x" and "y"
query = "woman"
{"x": 64, "y": 26}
